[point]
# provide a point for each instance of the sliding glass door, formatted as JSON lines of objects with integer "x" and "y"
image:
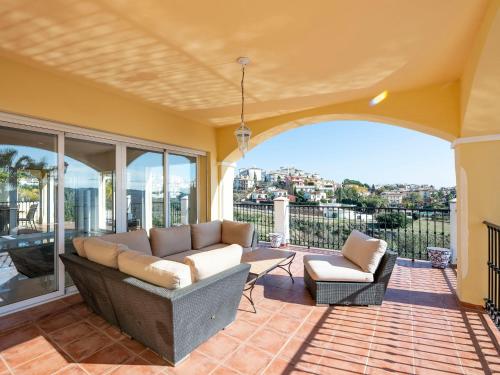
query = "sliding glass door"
{"x": 182, "y": 189}
{"x": 56, "y": 185}
{"x": 145, "y": 189}
{"x": 89, "y": 189}
{"x": 28, "y": 214}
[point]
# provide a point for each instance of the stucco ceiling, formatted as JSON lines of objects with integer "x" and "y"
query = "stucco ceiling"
{"x": 181, "y": 54}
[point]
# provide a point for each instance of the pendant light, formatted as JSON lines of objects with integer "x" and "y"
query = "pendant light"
{"x": 243, "y": 132}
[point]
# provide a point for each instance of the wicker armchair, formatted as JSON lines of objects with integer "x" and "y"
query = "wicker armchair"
{"x": 353, "y": 293}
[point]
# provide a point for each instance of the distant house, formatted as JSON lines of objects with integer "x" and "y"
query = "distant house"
{"x": 395, "y": 198}
{"x": 259, "y": 196}
{"x": 243, "y": 183}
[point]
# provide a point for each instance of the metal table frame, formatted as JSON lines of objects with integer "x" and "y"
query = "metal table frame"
{"x": 253, "y": 277}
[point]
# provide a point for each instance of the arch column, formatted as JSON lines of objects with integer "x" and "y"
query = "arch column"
{"x": 226, "y": 181}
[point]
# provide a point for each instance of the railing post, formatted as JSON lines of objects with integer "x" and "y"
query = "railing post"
{"x": 185, "y": 210}
{"x": 282, "y": 218}
{"x": 453, "y": 230}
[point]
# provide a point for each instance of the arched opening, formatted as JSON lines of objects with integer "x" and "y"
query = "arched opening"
{"x": 408, "y": 205}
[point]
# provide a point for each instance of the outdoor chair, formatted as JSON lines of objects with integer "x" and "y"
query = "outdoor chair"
{"x": 29, "y": 220}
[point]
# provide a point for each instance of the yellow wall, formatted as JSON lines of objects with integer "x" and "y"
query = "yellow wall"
{"x": 37, "y": 93}
{"x": 478, "y": 199}
{"x": 432, "y": 110}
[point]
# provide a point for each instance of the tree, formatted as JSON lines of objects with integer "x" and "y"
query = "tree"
{"x": 413, "y": 200}
{"x": 373, "y": 202}
{"x": 392, "y": 220}
{"x": 348, "y": 195}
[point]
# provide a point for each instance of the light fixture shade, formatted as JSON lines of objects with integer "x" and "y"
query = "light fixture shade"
{"x": 243, "y": 134}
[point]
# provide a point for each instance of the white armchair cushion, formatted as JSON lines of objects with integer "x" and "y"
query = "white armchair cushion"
{"x": 154, "y": 270}
{"x": 364, "y": 251}
{"x": 208, "y": 263}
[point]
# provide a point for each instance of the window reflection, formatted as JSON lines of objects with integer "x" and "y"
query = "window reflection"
{"x": 182, "y": 189}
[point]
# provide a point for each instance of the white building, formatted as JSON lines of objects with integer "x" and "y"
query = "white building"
{"x": 243, "y": 183}
{"x": 253, "y": 173}
{"x": 395, "y": 198}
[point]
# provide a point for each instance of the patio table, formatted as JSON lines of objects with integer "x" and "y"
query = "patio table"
{"x": 262, "y": 261}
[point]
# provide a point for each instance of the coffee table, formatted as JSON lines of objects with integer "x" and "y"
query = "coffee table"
{"x": 262, "y": 261}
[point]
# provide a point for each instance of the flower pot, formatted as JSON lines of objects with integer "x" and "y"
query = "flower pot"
{"x": 276, "y": 239}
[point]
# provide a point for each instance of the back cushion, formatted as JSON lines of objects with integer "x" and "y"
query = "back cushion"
{"x": 237, "y": 232}
{"x": 103, "y": 252}
{"x": 78, "y": 244}
{"x": 169, "y": 241}
{"x": 211, "y": 262}
{"x": 206, "y": 234}
{"x": 364, "y": 251}
{"x": 154, "y": 270}
{"x": 136, "y": 240}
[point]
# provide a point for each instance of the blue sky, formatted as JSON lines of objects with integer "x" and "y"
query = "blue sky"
{"x": 370, "y": 152}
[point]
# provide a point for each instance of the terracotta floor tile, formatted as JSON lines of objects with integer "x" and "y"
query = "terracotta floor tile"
{"x": 68, "y": 334}
{"x": 259, "y": 318}
{"x": 248, "y": 360}
{"x": 296, "y": 311}
{"x": 221, "y": 370}
{"x": 196, "y": 364}
{"x": 137, "y": 366}
{"x": 71, "y": 370}
{"x": 106, "y": 359}
{"x": 87, "y": 345}
{"x": 97, "y": 321}
{"x": 3, "y": 367}
{"x": 219, "y": 346}
{"x": 57, "y": 321}
{"x": 19, "y": 335}
{"x": 43, "y": 365}
{"x": 283, "y": 323}
{"x": 153, "y": 358}
{"x": 113, "y": 332}
{"x": 267, "y": 340}
{"x": 27, "y": 350}
{"x": 132, "y": 345}
{"x": 241, "y": 329}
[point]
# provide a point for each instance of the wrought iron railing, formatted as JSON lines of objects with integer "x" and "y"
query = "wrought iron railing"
{"x": 407, "y": 231}
{"x": 261, "y": 215}
{"x": 493, "y": 300}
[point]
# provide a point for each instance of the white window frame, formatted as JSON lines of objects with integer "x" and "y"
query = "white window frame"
{"x": 121, "y": 143}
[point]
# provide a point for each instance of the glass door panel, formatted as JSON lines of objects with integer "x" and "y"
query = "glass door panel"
{"x": 182, "y": 189}
{"x": 145, "y": 189}
{"x": 28, "y": 214}
{"x": 89, "y": 190}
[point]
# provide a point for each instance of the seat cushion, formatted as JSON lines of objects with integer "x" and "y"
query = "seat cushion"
{"x": 364, "y": 251}
{"x": 103, "y": 252}
{"x": 237, "y": 232}
{"x": 335, "y": 267}
{"x": 136, "y": 240}
{"x": 78, "y": 245}
{"x": 179, "y": 257}
{"x": 168, "y": 241}
{"x": 206, "y": 234}
{"x": 154, "y": 270}
{"x": 208, "y": 263}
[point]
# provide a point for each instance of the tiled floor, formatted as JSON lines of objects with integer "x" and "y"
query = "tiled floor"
{"x": 419, "y": 329}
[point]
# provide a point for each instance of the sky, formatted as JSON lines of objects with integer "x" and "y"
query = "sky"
{"x": 370, "y": 152}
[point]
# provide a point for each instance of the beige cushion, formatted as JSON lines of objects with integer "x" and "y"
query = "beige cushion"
{"x": 335, "y": 267}
{"x": 214, "y": 246}
{"x": 364, "y": 251}
{"x": 154, "y": 270}
{"x": 237, "y": 232}
{"x": 206, "y": 234}
{"x": 208, "y": 263}
{"x": 103, "y": 252}
{"x": 168, "y": 241}
{"x": 179, "y": 257}
{"x": 136, "y": 240}
{"x": 78, "y": 244}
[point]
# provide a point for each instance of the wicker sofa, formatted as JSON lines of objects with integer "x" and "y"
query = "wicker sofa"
{"x": 346, "y": 279}
{"x": 172, "y": 321}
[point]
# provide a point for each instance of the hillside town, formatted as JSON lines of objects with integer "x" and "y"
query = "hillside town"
{"x": 302, "y": 187}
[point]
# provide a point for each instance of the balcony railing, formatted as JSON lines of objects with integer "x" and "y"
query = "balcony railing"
{"x": 493, "y": 300}
{"x": 261, "y": 215}
{"x": 407, "y": 231}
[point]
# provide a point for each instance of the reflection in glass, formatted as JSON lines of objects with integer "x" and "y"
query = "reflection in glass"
{"x": 89, "y": 190}
{"x": 145, "y": 197}
{"x": 182, "y": 189}
{"x": 28, "y": 191}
